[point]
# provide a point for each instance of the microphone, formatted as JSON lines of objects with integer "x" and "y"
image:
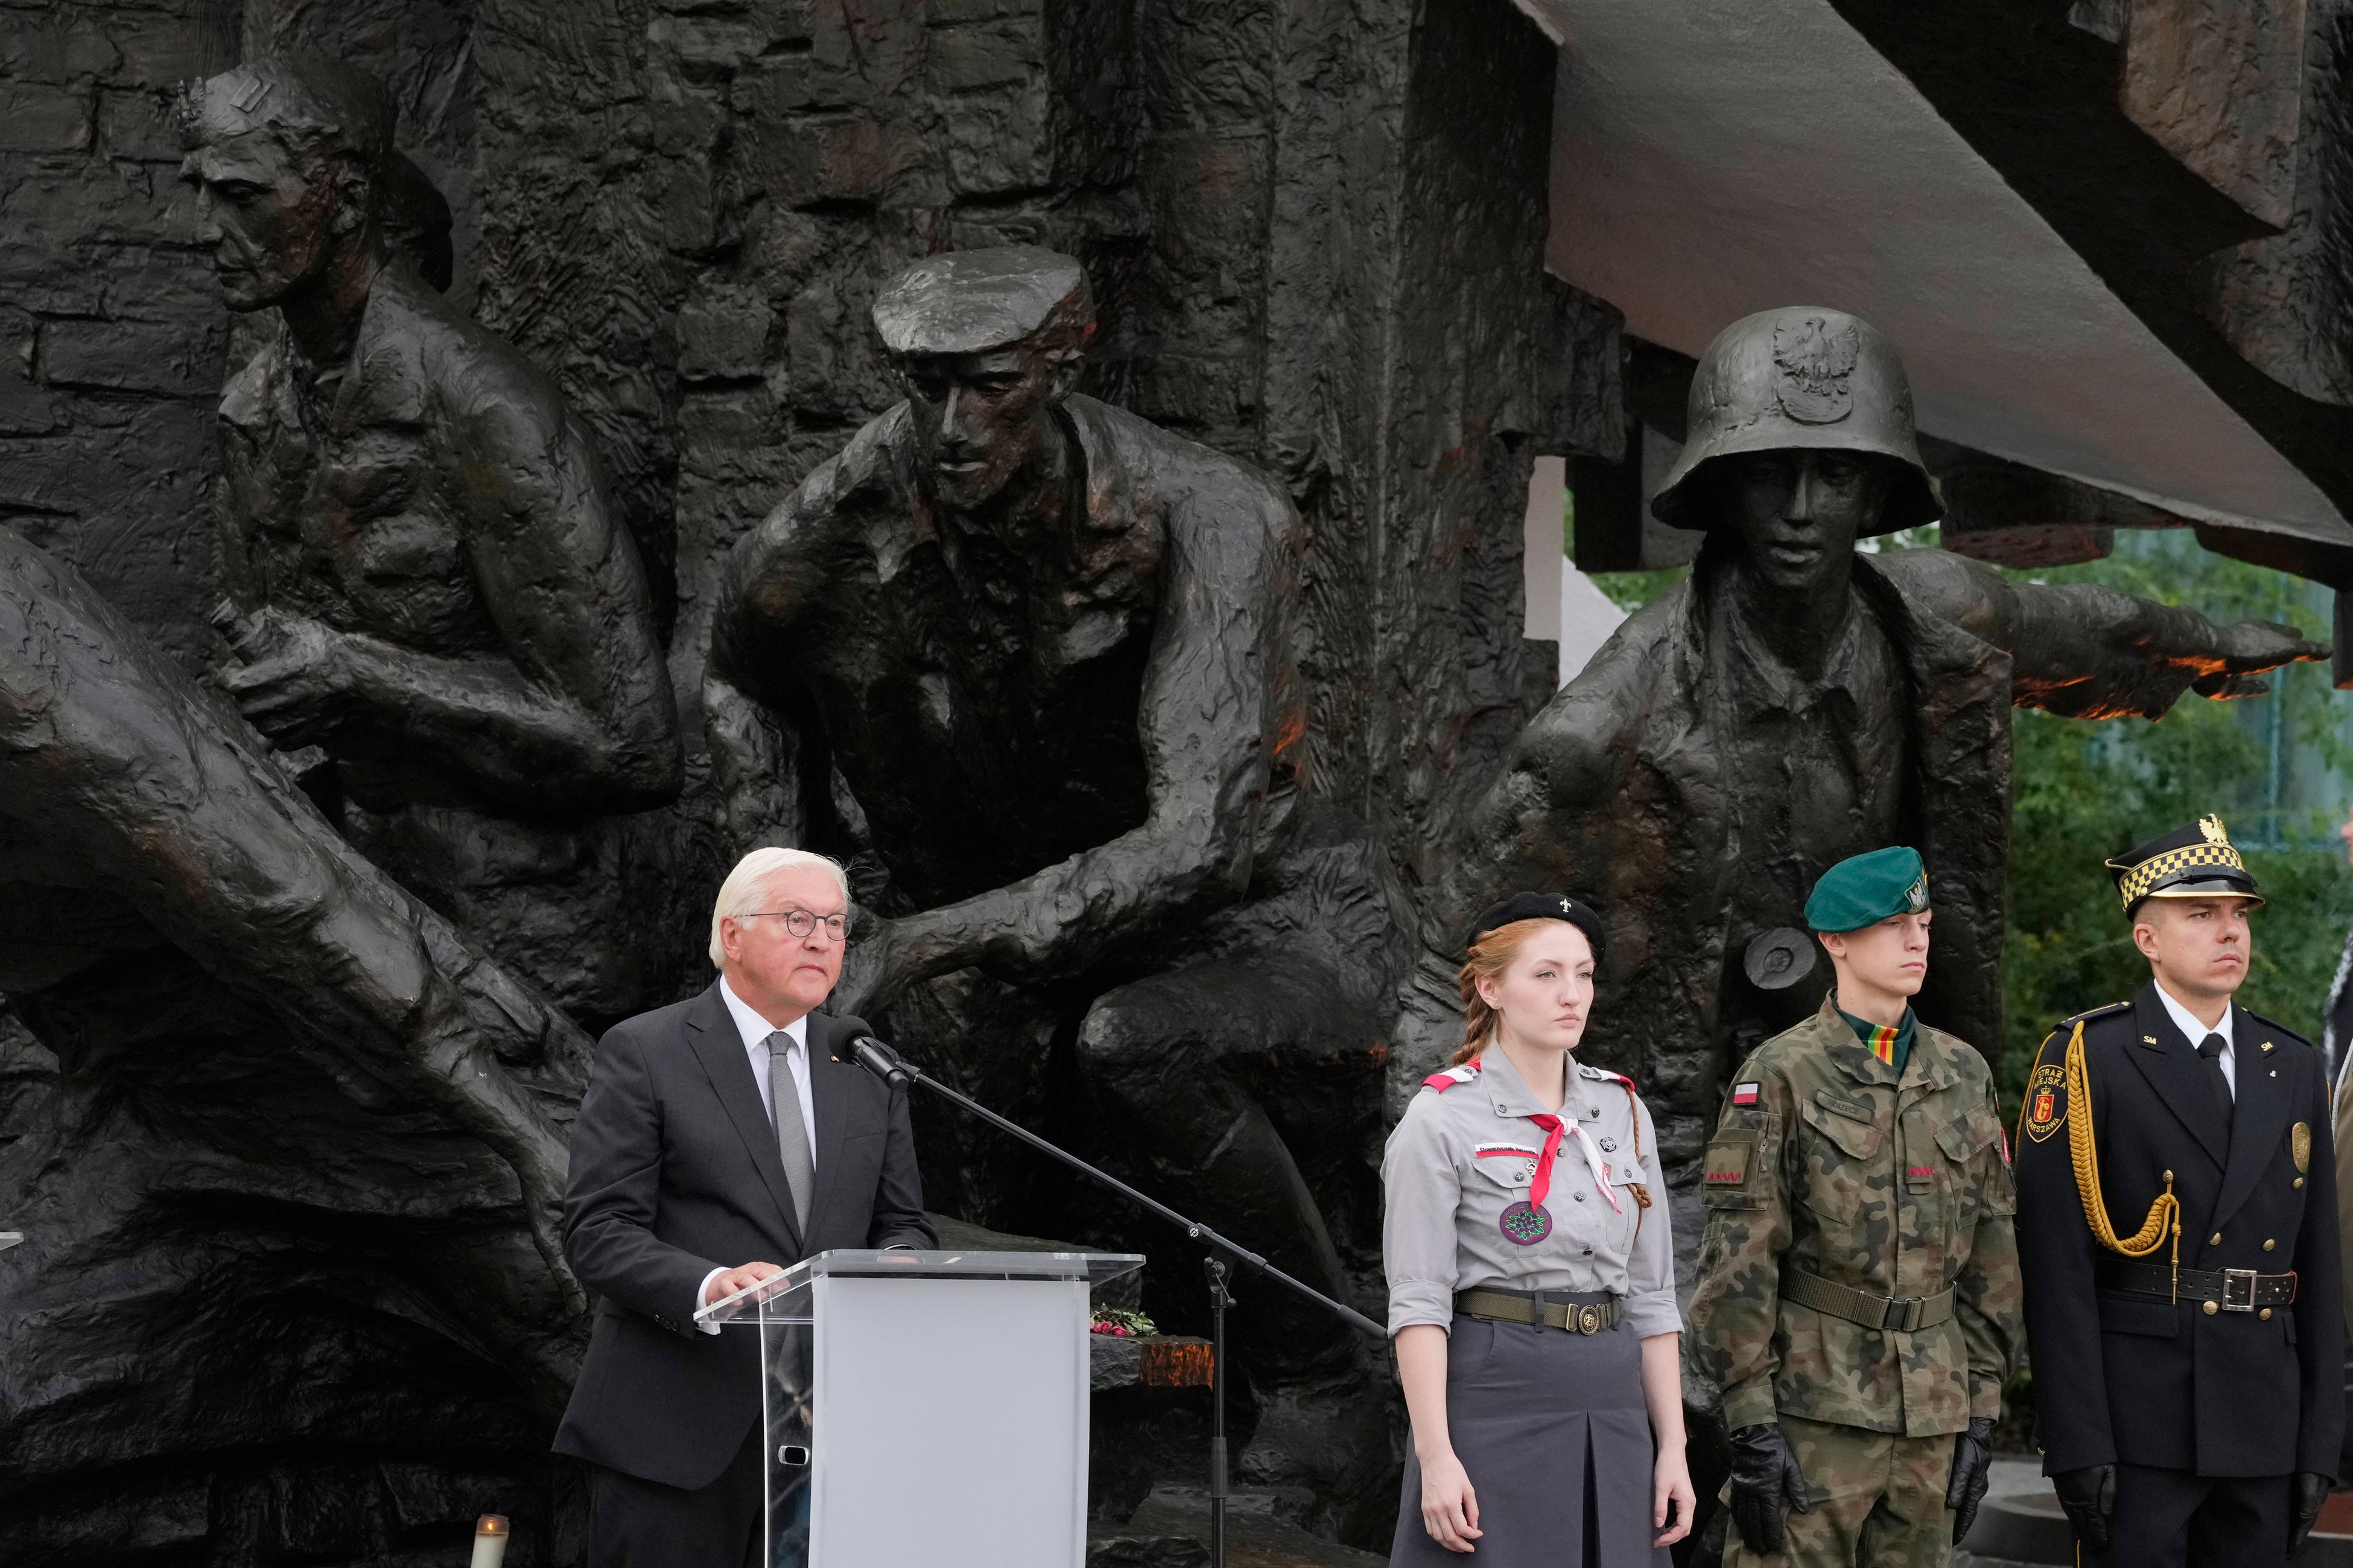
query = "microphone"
{"x": 881, "y": 1060}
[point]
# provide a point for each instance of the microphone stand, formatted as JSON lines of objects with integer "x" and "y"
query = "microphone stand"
{"x": 892, "y": 1067}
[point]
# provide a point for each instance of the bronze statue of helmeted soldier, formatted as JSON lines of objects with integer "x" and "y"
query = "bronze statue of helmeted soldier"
{"x": 426, "y": 576}
{"x": 1027, "y": 657}
{"x": 1795, "y": 702}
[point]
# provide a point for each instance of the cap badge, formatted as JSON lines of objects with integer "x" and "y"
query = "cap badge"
{"x": 2212, "y": 826}
{"x": 1816, "y": 362}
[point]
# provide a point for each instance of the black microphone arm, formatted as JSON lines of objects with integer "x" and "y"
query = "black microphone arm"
{"x": 893, "y": 1068}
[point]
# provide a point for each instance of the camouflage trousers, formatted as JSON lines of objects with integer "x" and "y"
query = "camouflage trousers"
{"x": 1879, "y": 1501}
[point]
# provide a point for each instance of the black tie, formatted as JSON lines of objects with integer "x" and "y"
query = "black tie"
{"x": 2209, "y": 1051}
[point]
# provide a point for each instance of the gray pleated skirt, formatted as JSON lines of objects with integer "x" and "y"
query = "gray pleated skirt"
{"x": 1552, "y": 1430}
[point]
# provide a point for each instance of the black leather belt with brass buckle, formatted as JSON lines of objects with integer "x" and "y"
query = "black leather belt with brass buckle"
{"x": 1575, "y": 1312}
{"x": 2228, "y": 1289}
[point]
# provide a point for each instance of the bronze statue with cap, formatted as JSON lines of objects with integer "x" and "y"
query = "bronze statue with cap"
{"x": 1025, "y": 661}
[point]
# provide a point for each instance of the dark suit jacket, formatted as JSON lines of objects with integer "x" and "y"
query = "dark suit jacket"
{"x": 2151, "y": 1382}
{"x": 675, "y": 1172}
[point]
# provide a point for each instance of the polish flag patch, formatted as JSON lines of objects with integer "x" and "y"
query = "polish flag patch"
{"x": 1744, "y": 1094}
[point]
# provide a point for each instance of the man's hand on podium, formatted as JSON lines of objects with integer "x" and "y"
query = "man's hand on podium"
{"x": 725, "y": 1282}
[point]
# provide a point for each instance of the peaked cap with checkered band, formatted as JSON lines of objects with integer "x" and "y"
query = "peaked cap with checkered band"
{"x": 2193, "y": 862}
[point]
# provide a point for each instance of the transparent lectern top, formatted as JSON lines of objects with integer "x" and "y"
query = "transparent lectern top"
{"x": 785, "y": 1298}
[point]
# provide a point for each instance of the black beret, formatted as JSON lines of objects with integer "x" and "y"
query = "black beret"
{"x": 1542, "y": 907}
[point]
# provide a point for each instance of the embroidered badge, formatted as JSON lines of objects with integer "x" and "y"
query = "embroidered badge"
{"x": 1744, "y": 1094}
{"x": 1609, "y": 1145}
{"x": 1919, "y": 1172}
{"x": 1727, "y": 1162}
{"x": 2299, "y": 1140}
{"x": 2046, "y": 1101}
{"x": 1525, "y": 1223}
{"x": 1514, "y": 1166}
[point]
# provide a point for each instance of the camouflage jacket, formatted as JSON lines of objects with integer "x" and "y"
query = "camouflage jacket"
{"x": 1824, "y": 1162}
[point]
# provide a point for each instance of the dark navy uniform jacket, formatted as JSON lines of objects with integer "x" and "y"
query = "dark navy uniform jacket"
{"x": 2122, "y": 1377}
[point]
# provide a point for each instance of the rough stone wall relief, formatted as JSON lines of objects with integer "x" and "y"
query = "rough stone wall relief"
{"x": 111, "y": 336}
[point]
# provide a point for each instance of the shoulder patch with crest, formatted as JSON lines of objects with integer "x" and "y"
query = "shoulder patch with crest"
{"x": 2046, "y": 1100}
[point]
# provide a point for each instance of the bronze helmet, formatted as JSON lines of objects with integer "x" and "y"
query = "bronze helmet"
{"x": 1804, "y": 378}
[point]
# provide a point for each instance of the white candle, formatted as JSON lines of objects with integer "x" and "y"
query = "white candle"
{"x": 490, "y": 1541}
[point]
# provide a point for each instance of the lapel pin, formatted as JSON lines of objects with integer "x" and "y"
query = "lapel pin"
{"x": 2149, "y": 1039}
{"x": 2267, "y": 1045}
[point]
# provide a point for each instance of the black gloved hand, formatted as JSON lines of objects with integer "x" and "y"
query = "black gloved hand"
{"x": 2089, "y": 1496}
{"x": 2309, "y": 1490}
{"x": 1972, "y": 1473}
{"x": 1764, "y": 1476}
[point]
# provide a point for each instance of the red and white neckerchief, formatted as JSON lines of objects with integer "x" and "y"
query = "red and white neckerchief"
{"x": 1556, "y": 1127}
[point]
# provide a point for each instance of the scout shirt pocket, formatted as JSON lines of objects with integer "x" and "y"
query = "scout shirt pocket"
{"x": 1511, "y": 1166}
{"x": 1839, "y": 1149}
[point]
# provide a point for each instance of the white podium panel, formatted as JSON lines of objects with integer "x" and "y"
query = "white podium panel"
{"x": 973, "y": 1390}
{"x": 925, "y": 1407}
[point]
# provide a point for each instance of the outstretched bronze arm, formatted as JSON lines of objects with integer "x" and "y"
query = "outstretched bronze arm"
{"x": 2089, "y": 652}
{"x": 122, "y": 782}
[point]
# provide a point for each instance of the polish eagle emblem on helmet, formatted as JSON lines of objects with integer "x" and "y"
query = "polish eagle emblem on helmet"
{"x": 1814, "y": 364}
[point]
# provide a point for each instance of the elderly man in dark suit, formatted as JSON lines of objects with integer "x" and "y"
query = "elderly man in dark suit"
{"x": 717, "y": 1135}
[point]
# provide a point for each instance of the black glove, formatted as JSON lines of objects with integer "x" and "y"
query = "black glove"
{"x": 1764, "y": 1475}
{"x": 2310, "y": 1491}
{"x": 2089, "y": 1496}
{"x": 1972, "y": 1473}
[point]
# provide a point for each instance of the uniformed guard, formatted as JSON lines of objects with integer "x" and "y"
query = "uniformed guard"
{"x": 2178, "y": 1226}
{"x": 1858, "y": 1294}
{"x": 1532, "y": 1282}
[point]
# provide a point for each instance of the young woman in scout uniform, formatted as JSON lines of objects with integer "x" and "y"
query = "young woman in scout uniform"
{"x": 1532, "y": 1292}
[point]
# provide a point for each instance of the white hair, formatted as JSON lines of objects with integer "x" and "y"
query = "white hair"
{"x": 740, "y": 894}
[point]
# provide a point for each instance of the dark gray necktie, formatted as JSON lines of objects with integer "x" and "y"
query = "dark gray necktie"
{"x": 792, "y": 1131}
{"x": 2209, "y": 1051}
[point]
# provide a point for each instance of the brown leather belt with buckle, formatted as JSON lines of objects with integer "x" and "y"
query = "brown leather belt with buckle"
{"x": 2231, "y": 1290}
{"x": 1578, "y": 1314}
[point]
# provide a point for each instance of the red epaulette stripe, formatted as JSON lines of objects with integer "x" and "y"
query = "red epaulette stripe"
{"x": 1442, "y": 1081}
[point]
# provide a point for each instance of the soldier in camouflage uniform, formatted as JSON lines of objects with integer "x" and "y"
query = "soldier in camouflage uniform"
{"x": 1858, "y": 1297}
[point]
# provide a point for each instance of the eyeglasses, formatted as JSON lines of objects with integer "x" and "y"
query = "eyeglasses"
{"x": 800, "y": 923}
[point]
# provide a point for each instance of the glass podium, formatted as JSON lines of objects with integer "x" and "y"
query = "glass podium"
{"x": 925, "y": 1406}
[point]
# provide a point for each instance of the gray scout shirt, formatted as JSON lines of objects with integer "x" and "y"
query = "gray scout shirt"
{"x": 1463, "y": 1153}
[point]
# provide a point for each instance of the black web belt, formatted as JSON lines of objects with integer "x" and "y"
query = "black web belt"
{"x": 1577, "y": 1312}
{"x": 2229, "y": 1290}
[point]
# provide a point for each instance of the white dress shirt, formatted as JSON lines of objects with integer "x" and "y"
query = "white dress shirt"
{"x": 2195, "y": 1032}
{"x": 755, "y": 1031}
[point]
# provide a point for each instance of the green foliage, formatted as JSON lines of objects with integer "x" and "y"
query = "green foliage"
{"x": 2086, "y": 789}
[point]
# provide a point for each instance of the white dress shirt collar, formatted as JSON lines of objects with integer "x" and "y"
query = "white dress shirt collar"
{"x": 2195, "y": 1032}
{"x": 755, "y": 1029}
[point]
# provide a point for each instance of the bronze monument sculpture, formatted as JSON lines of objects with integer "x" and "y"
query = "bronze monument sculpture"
{"x": 1045, "y": 648}
{"x": 425, "y": 578}
{"x": 298, "y": 1135}
{"x": 294, "y": 1111}
{"x": 1794, "y": 702}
